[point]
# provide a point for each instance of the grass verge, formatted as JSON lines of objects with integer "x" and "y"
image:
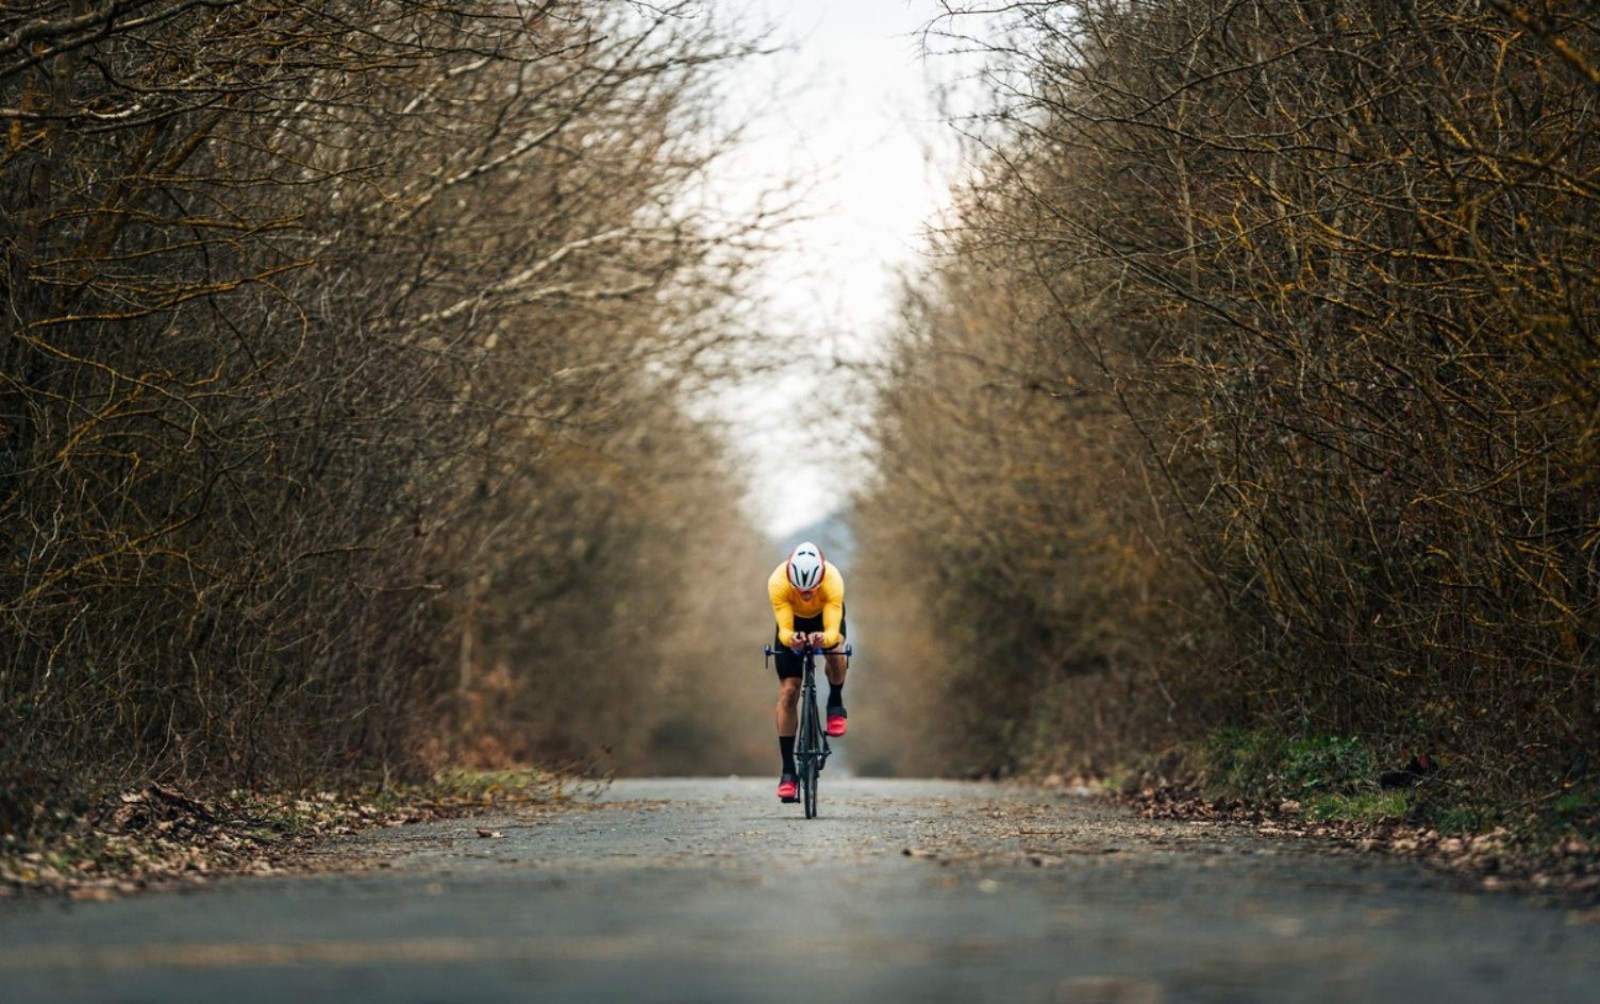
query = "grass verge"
{"x": 159, "y": 836}
{"x": 1335, "y": 790}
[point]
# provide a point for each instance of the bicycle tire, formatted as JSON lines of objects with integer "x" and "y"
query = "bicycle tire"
{"x": 809, "y": 783}
{"x": 811, "y": 765}
{"x": 808, "y": 747}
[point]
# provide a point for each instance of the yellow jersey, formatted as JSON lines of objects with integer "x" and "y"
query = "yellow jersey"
{"x": 827, "y": 599}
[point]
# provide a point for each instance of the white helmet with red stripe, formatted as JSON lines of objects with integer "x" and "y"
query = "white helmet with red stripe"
{"x": 806, "y": 567}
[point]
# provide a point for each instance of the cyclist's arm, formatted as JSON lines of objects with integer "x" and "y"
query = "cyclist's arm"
{"x": 833, "y": 614}
{"x": 785, "y": 616}
{"x": 782, "y": 610}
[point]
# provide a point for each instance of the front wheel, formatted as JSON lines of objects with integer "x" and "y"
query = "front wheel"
{"x": 808, "y": 753}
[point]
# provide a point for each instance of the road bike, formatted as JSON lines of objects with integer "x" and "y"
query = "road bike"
{"x": 811, "y": 748}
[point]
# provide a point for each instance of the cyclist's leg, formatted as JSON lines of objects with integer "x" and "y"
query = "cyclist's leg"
{"x": 838, "y": 665}
{"x": 788, "y": 721}
{"x": 835, "y": 665}
{"x": 786, "y": 717}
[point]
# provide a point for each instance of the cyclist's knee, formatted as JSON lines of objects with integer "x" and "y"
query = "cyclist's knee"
{"x": 789, "y": 691}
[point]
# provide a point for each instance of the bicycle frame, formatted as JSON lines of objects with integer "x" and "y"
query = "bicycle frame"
{"x": 811, "y": 749}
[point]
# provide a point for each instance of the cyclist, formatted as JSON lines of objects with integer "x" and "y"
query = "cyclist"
{"x": 807, "y": 597}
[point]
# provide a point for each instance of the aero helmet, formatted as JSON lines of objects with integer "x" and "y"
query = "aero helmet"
{"x": 806, "y": 567}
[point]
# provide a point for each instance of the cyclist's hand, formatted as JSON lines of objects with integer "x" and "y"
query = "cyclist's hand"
{"x": 798, "y": 643}
{"x": 816, "y": 639}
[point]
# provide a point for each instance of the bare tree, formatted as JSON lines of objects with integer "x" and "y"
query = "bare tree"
{"x": 324, "y": 319}
{"x": 1328, "y": 260}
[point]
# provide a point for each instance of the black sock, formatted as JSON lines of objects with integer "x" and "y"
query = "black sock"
{"x": 835, "y": 695}
{"x": 786, "y": 747}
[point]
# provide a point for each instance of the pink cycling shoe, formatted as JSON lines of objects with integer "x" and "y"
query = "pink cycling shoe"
{"x": 836, "y": 721}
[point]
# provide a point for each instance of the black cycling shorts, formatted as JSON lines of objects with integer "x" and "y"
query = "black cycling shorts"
{"x": 790, "y": 666}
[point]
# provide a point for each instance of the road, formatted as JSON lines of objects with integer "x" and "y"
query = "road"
{"x": 708, "y": 890}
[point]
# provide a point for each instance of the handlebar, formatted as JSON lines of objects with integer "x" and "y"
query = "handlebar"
{"x": 848, "y": 649}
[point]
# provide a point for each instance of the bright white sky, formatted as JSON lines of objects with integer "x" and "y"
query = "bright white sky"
{"x": 848, "y": 110}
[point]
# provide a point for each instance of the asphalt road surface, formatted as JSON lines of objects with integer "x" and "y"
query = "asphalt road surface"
{"x": 709, "y": 890}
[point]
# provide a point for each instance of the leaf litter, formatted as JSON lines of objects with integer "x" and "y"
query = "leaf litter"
{"x": 158, "y": 837}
